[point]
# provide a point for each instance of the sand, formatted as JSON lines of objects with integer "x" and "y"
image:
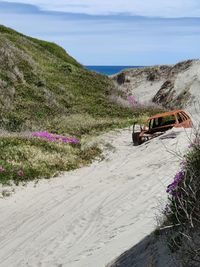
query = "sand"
{"x": 88, "y": 217}
{"x": 184, "y": 78}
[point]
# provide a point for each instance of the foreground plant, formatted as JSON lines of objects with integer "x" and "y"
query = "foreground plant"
{"x": 183, "y": 211}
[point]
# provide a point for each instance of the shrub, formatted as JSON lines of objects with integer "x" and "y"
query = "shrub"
{"x": 183, "y": 211}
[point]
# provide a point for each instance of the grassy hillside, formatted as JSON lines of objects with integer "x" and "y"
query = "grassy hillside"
{"x": 42, "y": 88}
{"x": 41, "y": 85}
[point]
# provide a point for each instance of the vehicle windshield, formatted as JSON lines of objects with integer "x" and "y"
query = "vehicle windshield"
{"x": 162, "y": 121}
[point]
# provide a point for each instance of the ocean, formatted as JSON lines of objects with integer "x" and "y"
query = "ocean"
{"x": 109, "y": 70}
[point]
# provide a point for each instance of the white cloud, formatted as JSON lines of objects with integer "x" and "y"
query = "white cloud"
{"x": 161, "y": 8}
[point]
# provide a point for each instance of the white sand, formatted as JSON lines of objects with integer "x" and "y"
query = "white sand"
{"x": 88, "y": 217}
{"x": 185, "y": 79}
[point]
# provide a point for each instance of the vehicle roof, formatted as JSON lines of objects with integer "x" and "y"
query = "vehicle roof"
{"x": 165, "y": 114}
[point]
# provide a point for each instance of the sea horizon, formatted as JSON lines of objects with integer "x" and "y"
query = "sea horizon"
{"x": 109, "y": 69}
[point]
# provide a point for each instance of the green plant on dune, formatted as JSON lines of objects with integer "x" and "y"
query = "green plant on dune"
{"x": 183, "y": 211}
{"x": 26, "y": 158}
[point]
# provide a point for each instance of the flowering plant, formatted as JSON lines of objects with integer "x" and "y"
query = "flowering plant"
{"x": 182, "y": 214}
{"x": 2, "y": 169}
{"x": 54, "y": 137}
{"x": 177, "y": 179}
{"x": 132, "y": 101}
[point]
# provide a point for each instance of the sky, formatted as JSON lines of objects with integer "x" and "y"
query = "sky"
{"x": 111, "y": 32}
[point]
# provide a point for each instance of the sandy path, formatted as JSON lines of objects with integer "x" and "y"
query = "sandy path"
{"x": 88, "y": 217}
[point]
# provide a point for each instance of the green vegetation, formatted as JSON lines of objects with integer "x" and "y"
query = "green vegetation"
{"x": 182, "y": 215}
{"x": 42, "y": 88}
{"x": 25, "y": 158}
{"x": 40, "y": 82}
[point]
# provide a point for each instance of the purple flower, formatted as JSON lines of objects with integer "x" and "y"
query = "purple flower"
{"x": 55, "y": 137}
{"x": 20, "y": 173}
{"x": 177, "y": 179}
{"x": 131, "y": 100}
{"x": 2, "y": 169}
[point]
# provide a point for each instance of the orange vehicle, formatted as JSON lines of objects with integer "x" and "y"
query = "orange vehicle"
{"x": 160, "y": 123}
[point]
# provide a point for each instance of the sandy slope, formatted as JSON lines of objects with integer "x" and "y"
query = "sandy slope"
{"x": 172, "y": 86}
{"x": 90, "y": 216}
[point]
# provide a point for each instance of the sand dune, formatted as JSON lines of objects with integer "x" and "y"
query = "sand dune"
{"x": 172, "y": 86}
{"x": 88, "y": 217}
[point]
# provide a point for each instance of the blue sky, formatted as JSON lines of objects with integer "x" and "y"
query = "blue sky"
{"x": 115, "y": 32}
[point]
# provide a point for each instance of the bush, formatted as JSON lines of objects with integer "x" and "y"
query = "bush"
{"x": 183, "y": 211}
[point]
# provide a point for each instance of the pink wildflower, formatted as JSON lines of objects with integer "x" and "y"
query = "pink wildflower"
{"x": 1, "y": 169}
{"x": 177, "y": 179}
{"x": 55, "y": 137}
{"x": 131, "y": 100}
{"x": 20, "y": 173}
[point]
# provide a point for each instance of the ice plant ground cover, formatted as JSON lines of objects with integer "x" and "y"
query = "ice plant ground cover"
{"x": 29, "y": 156}
{"x": 23, "y": 158}
{"x": 55, "y": 137}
